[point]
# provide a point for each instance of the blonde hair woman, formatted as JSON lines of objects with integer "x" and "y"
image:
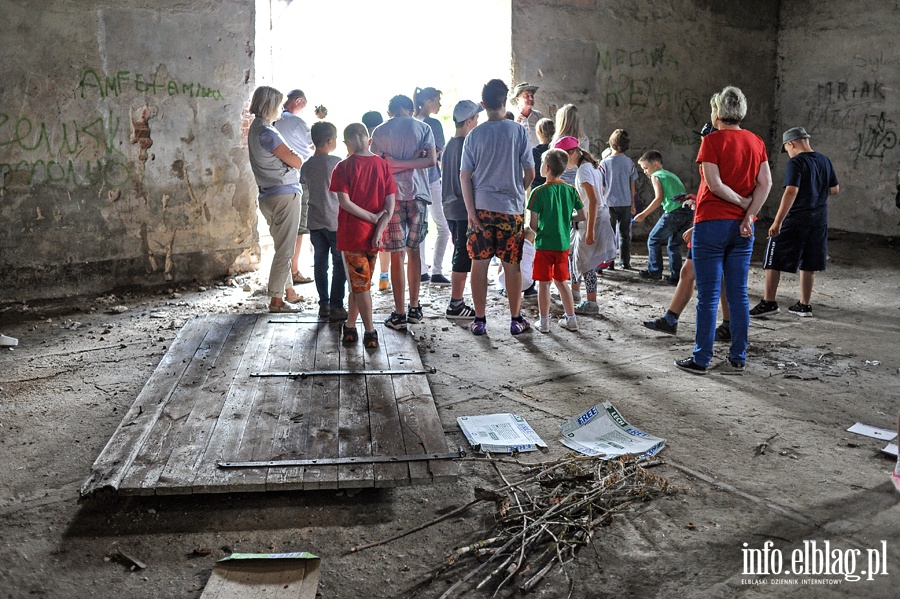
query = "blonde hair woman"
{"x": 275, "y": 166}
{"x": 569, "y": 125}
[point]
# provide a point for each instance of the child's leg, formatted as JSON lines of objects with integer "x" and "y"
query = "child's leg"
{"x": 807, "y": 278}
{"x": 414, "y": 276}
{"x": 773, "y": 277}
{"x": 685, "y": 289}
{"x": 544, "y": 298}
{"x": 565, "y": 295}
{"x": 319, "y": 240}
{"x": 338, "y": 275}
{"x": 398, "y": 281}
{"x": 895, "y": 477}
{"x": 363, "y": 303}
{"x": 352, "y": 311}
{"x": 590, "y": 285}
{"x": 479, "y": 285}
{"x": 513, "y": 287}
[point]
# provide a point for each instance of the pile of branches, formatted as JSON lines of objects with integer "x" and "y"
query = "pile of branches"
{"x": 545, "y": 513}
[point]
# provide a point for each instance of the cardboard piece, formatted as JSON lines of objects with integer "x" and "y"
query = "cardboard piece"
{"x": 264, "y": 576}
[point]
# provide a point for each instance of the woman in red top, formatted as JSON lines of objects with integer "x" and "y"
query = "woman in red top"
{"x": 734, "y": 185}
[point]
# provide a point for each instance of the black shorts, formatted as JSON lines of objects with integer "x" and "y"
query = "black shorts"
{"x": 462, "y": 262}
{"x": 801, "y": 245}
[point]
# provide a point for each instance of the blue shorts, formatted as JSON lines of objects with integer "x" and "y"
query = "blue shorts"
{"x": 801, "y": 245}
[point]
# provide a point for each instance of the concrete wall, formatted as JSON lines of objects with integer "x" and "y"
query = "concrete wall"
{"x": 839, "y": 76}
{"x": 648, "y": 67}
{"x": 121, "y": 161}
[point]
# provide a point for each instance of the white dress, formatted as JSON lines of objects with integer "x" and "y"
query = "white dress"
{"x": 586, "y": 257}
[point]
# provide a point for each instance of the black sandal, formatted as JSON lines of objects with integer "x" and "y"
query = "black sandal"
{"x": 349, "y": 335}
{"x": 370, "y": 339}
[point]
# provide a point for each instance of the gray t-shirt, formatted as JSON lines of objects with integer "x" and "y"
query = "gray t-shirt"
{"x": 617, "y": 172}
{"x": 437, "y": 129}
{"x": 315, "y": 175}
{"x": 404, "y": 138}
{"x": 496, "y": 152}
{"x": 451, "y": 190}
{"x": 296, "y": 134}
{"x": 273, "y": 177}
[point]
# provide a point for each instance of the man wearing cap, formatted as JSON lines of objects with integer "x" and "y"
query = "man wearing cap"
{"x": 298, "y": 137}
{"x": 798, "y": 238}
{"x": 465, "y": 117}
{"x": 526, "y": 115}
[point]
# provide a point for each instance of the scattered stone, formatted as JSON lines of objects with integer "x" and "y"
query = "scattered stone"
{"x": 118, "y": 310}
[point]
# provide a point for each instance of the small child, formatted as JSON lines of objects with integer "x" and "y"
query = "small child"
{"x": 366, "y": 189}
{"x": 669, "y": 192}
{"x": 618, "y": 175}
{"x": 372, "y": 119}
{"x": 595, "y": 243}
{"x": 798, "y": 238}
{"x": 465, "y": 116}
{"x": 322, "y": 221}
{"x": 544, "y": 129}
{"x": 551, "y": 206}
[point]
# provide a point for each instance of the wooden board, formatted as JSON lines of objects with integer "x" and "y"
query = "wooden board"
{"x": 263, "y": 579}
{"x": 202, "y": 405}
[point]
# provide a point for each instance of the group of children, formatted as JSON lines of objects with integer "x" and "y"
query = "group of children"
{"x": 378, "y": 199}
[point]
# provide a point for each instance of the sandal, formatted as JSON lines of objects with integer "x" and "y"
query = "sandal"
{"x": 284, "y": 309}
{"x": 349, "y": 335}
{"x": 370, "y": 339}
{"x": 300, "y": 279}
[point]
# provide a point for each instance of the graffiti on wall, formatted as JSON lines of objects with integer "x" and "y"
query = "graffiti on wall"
{"x": 648, "y": 78}
{"x": 86, "y": 152}
{"x": 877, "y": 136}
{"x": 74, "y": 153}
{"x": 92, "y": 82}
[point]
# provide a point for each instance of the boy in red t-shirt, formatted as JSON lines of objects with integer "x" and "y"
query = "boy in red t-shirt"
{"x": 365, "y": 189}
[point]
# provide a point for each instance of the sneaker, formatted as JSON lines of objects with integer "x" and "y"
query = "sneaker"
{"x": 531, "y": 293}
{"x": 764, "y": 308}
{"x": 396, "y": 322}
{"x": 736, "y": 366}
{"x": 570, "y": 323}
{"x": 587, "y": 307}
{"x": 414, "y": 316}
{"x": 662, "y": 325}
{"x": 337, "y": 313}
{"x": 688, "y": 365}
{"x": 544, "y": 327}
{"x": 349, "y": 334}
{"x": 517, "y": 327}
{"x": 461, "y": 312}
{"x": 370, "y": 339}
{"x": 440, "y": 281}
{"x": 673, "y": 281}
{"x": 478, "y": 327}
{"x": 801, "y": 309}
{"x": 426, "y": 278}
{"x": 723, "y": 332}
{"x": 648, "y": 274}
{"x": 384, "y": 284}
{"x": 324, "y": 311}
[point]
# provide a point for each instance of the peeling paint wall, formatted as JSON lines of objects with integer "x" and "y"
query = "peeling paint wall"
{"x": 648, "y": 67}
{"x": 839, "y": 76}
{"x": 121, "y": 161}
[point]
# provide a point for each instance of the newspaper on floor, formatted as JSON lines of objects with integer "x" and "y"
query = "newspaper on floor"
{"x": 602, "y": 431}
{"x": 872, "y": 431}
{"x": 499, "y": 433}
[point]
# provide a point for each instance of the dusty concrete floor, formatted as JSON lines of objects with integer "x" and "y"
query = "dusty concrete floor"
{"x": 79, "y": 366}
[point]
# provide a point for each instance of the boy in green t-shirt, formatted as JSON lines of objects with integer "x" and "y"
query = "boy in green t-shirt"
{"x": 551, "y": 206}
{"x": 669, "y": 192}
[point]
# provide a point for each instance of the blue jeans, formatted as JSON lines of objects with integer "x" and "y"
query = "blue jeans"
{"x": 324, "y": 243}
{"x": 620, "y": 218}
{"x": 668, "y": 229}
{"x": 718, "y": 249}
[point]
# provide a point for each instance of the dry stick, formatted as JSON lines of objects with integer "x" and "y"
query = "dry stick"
{"x": 416, "y": 529}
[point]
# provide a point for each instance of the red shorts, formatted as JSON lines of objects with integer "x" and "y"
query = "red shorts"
{"x": 551, "y": 265}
